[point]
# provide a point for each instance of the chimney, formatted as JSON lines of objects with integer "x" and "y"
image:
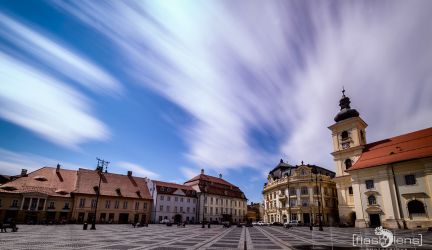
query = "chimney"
{"x": 129, "y": 173}
{"x": 220, "y": 176}
{"x": 58, "y": 168}
{"x": 23, "y": 172}
{"x": 202, "y": 171}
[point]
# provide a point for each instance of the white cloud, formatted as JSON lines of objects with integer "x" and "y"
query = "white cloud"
{"x": 11, "y": 163}
{"x": 57, "y": 56}
{"x": 136, "y": 169}
{"x": 189, "y": 173}
{"x": 274, "y": 67}
{"x": 46, "y": 106}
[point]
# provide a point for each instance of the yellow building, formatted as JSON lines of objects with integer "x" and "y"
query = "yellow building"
{"x": 43, "y": 196}
{"x": 300, "y": 193}
{"x": 56, "y": 195}
{"x": 387, "y": 182}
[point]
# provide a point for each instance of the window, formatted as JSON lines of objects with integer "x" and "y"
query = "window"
{"x": 107, "y": 204}
{"x": 350, "y": 190}
{"x": 181, "y": 199}
{"x": 305, "y": 202}
{"x": 181, "y": 209}
{"x": 293, "y": 203}
{"x": 344, "y": 135}
{"x": 161, "y": 208}
{"x": 416, "y": 208}
{"x": 168, "y": 208}
{"x": 0, "y": 203}
{"x": 161, "y": 197}
{"x": 371, "y": 200}
{"x": 348, "y": 163}
{"x": 175, "y": 209}
{"x": 194, "y": 201}
{"x": 293, "y": 191}
{"x": 211, "y": 201}
{"x": 304, "y": 190}
{"x": 193, "y": 209}
{"x": 211, "y": 210}
{"x": 14, "y": 203}
{"x": 176, "y": 198}
{"x": 137, "y": 205}
{"x": 188, "y": 200}
{"x": 369, "y": 184}
{"x": 66, "y": 205}
{"x": 217, "y": 211}
{"x": 51, "y": 205}
{"x": 205, "y": 210}
{"x": 410, "y": 179}
{"x": 125, "y": 205}
{"x": 117, "y": 204}
{"x": 168, "y": 198}
{"x": 82, "y": 203}
{"x": 145, "y": 205}
{"x": 188, "y": 209}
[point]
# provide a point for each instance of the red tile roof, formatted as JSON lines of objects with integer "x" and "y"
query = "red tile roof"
{"x": 128, "y": 186}
{"x": 170, "y": 188}
{"x": 216, "y": 186}
{"x": 45, "y": 180}
{"x": 409, "y": 146}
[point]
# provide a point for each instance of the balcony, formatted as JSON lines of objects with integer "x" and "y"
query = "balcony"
{"x": 282, "y": 197}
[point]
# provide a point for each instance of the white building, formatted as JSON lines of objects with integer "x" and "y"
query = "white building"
{"x": 218, "y": 200}
{"x": 173, "y": 202}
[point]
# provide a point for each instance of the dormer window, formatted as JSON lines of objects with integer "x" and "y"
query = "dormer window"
{"x": 40, "y": 178}
{"x": 118, "y": 191}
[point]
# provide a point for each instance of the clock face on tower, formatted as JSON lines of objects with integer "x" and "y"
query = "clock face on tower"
{"x": 345, "y": 145}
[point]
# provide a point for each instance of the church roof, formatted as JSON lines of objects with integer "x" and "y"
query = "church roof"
{"x": 404, "y": 147}
{"x": 214, "y": 185}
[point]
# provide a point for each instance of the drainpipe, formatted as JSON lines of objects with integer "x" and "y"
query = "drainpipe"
{"x": 401, "y": 215}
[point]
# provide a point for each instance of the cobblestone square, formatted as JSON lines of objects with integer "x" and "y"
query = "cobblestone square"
{"x": 192, "y": 237}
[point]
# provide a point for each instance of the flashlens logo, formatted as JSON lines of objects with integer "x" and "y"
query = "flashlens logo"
{"x": 385, "y": 238}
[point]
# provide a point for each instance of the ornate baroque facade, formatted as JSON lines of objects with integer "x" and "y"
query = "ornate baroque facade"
{"x": 387, "y": 182}
{"x": 301, "y": 192}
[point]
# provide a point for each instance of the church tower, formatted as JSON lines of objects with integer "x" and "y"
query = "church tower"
{"x": 349, "y": 139}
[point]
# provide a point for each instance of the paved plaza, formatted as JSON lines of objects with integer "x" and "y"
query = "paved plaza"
{"x": 191, "y": 237}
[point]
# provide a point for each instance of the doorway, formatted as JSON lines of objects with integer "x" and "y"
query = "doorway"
{"x": 374, "y": 220}
{"x": 123, "y": 218}
{"x": 306, "y": 218}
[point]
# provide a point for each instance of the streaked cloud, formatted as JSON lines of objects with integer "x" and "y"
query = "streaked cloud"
{"x": 46, "y": 106}
{"x": 189, "y": 173}
{"x": 11, "y": 163}
{"x": 274, "y": 67}
{"x": 136, "y": 169}
{"x": 53, "y": 54}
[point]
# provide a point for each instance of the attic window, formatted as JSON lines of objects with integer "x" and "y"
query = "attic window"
{"x": 62, "y": 192}
{"x": 9, "y": 188}
{"x": 40, "y": 178}
{"x": 96, "y": 189}
{"x": 138, "y": 193}
{"x": 118, "y": 191}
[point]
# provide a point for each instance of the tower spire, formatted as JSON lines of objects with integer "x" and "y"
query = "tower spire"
{"x": 345, "y": 109}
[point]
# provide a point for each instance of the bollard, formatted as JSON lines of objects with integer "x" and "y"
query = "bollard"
{"x": 85, "y": 226}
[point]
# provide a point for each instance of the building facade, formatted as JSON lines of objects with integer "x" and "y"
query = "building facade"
{"x": 255, "y": 212}
{"x": 56, "y": 195}
{"x": 173, "y": 202}
{"x": 123, "y": 198}
{"x": 218, "y": 200}
{"x": 302, "y": 192}
{"x": 387, "y": 182}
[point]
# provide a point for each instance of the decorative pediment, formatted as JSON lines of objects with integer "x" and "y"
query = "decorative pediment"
{"x": 371, "y": 192}
{"x": 179, "y": 192}
{"x": 415, "y": 195}
{"x": 373, "y": 209}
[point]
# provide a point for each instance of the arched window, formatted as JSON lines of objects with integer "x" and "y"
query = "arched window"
{"x": 416, "y": 207}
{"x": 371, "y": 200}
{"x": 348, "y": 163}
{"x": 344, "y": 135}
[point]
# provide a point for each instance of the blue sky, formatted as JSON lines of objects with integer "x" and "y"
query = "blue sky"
{"x": 166, "y": 88}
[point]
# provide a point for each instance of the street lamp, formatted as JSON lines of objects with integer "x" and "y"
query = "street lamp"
{"x": 319, "y": 198}
{"x": 289, "y": 195}
{"x": 204, "y": 202}
{"x": 100, "y": 166}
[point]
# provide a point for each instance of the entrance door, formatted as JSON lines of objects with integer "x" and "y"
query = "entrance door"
{"x": 306, "y": 218}
{"x": 177, "y": 218}
{"x": 123, "y": 218}
{"x": 374, "y": 220}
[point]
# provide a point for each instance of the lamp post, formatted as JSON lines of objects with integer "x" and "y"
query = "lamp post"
{"x": 289, "y": 196}
{"x": 310, "y": 210}
{"x": 204, "y": 202}
{"x": 319, "y": 199}
{"x": 100, "y": 166}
